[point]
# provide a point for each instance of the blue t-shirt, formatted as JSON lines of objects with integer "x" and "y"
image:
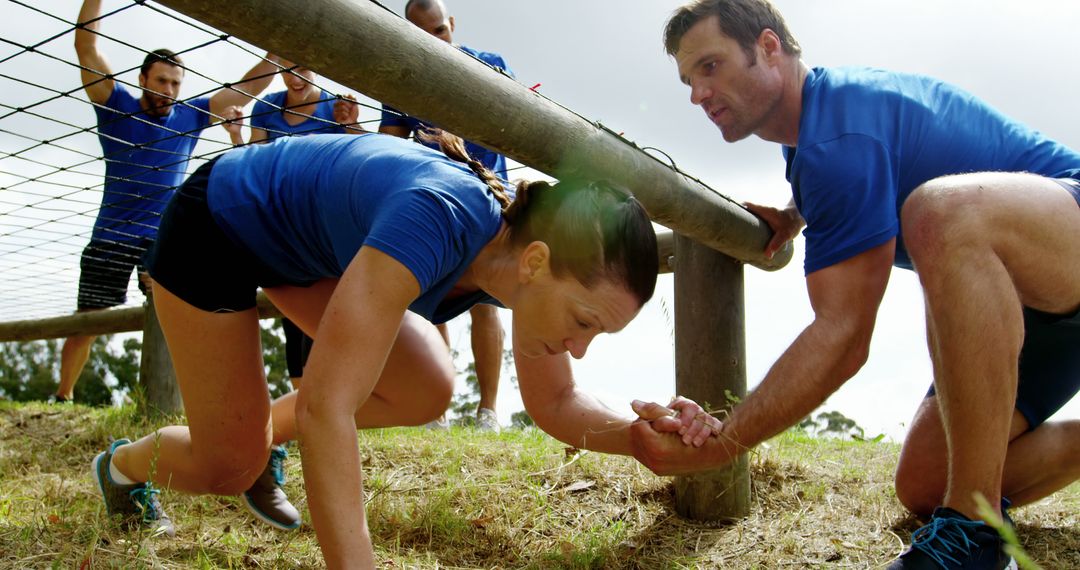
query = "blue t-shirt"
{"x": 868, "y": 138}
{"x": 305, "y": 205}
{"x": 268, "y": 116}
{"x": 494, "y": 161}
{"x": 146, "y": 158}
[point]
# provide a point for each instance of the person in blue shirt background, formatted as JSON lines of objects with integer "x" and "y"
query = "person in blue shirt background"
{"x": 896, "y": 169}
{"x": 365, "y": 241}
{"x": 302, "y": 108}
{"x": 487, "y": 334}
{"x": 146, "y": 141}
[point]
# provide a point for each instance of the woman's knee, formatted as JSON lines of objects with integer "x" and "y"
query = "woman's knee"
{"x": 231, "y": 470}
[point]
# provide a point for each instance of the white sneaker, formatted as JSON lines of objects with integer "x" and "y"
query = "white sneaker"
{"x": 487, "y": 420}
{"x": 438, "y": 424}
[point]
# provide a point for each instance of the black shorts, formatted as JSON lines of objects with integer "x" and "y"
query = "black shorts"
{"x": 1072, "y": 186}
{"x": 297, "y": 348}
{"x": 1049, "y": 367}
{"x": 105, "y": 269}
{"x": 197, "y": 262}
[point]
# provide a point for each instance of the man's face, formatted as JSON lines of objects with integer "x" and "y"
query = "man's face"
{"x": 161, "y": 87}
{"x": 738, "y": 95}
{"x": 433, "y": 21}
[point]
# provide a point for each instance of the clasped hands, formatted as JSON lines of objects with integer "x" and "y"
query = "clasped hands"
{"x": 678, "y": 438}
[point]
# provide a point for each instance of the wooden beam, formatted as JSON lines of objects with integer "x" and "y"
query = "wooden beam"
{"x": 367, "y": 48}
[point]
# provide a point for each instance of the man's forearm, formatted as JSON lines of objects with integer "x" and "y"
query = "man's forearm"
{"x": 820, "y": 360}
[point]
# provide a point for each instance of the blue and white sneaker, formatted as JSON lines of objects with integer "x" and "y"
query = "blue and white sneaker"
{"x": 137, "y": 503}
{"x": 266, "y": 500}
{"x": 951, "y": 541}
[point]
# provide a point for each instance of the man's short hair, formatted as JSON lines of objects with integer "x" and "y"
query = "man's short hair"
{"x": 420, "y": 5}
{"x": 163, "y": 55}
{"x": 741, "y": 20}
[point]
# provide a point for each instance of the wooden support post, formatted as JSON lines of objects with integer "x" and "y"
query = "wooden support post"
{"x": 161, "y": 394}
{"x": 710, "y": 355}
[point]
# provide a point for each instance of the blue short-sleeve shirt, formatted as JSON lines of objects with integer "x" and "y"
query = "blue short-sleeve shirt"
{"x": 146, "y": 158}
{"x": 494, "y": 161}
{"x": 268, "y": 116}
{"x": 868, "y": 138}
{"x": 306, "y": 205}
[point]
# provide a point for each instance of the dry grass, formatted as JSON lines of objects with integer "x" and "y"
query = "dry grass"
{"x": 465, "y": 500}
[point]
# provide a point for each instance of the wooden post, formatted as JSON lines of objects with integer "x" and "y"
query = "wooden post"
{"x": 160, "y": 392}
{"x": 710, "y": 365}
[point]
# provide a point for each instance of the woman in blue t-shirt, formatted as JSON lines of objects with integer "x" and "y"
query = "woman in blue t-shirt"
{"x": 303, "y": 108}
{"x": 365, "y": 241}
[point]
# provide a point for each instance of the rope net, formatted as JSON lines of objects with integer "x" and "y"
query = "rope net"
{"x": 53, "y": 169}
{"x": 52, "y": 162}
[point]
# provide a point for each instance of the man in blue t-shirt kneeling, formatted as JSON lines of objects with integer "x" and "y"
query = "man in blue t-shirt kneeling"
{"x": 895, "y": 169}
{"x": 487, "y": 330}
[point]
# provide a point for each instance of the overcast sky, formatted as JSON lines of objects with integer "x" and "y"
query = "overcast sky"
{"x": 604, "y": 59}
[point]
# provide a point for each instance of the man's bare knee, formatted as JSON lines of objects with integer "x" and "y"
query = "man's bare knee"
{"x": 937, "y": 214}
{"x": 918, "y": 493}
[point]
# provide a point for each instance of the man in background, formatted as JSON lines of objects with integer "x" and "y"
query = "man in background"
{"x": 487, "y": 332}
{"x": 146, "y": 139}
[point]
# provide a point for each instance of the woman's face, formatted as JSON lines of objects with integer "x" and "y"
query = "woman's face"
{"x": 298, "y": 80}
{"x": 553, "y": 315}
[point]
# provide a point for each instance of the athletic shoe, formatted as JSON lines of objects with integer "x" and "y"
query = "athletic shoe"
{"x": 266, "y": 500}
{"x": 486, "y": 420}
{"x": 438, "y": 424}
{"x": 137, "y": 502}
{"x": 56, "y": 399}
{"x": 951, "y": 541}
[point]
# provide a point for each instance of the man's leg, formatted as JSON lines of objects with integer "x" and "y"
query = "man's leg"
{"x": 487, "y": 346}
{"x": 1037, "y": 464}
{"x": 984, "y": 246}
{"x": 73, "y": 357}
{"x": 104, "y": 270}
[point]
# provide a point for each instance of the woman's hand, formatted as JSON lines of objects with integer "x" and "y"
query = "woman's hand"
{"x": 347, "y": 113}
{"x": 682, "y": 416}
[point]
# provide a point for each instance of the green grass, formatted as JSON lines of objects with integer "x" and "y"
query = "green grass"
{"x": 462, "y": 499}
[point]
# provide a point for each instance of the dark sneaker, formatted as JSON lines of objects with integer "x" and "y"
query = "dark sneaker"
{"x": 57, "y": 399}
{"x": 1005, "y": 504}
{"x": 951, "y": 541}
{"x": 138, "y": 502}
{"x": 266, "y": 500}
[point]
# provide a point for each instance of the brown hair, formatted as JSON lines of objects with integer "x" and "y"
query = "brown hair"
{"x": 594, "y": 230}
{"x": 166, "y": 56}
{"x": 741, "y": 20}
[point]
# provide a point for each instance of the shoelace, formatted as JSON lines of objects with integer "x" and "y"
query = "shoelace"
{"x": 278, "y": 455}
{"x": 145, "y": 496}
{"x": 943, "y": 538}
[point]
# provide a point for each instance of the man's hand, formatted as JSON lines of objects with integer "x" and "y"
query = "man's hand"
{"x": 665, "y": 454}
{"x": 232, "y": 122}
{"x": 347, "y": 113}
{"x": 786, "y": 223}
